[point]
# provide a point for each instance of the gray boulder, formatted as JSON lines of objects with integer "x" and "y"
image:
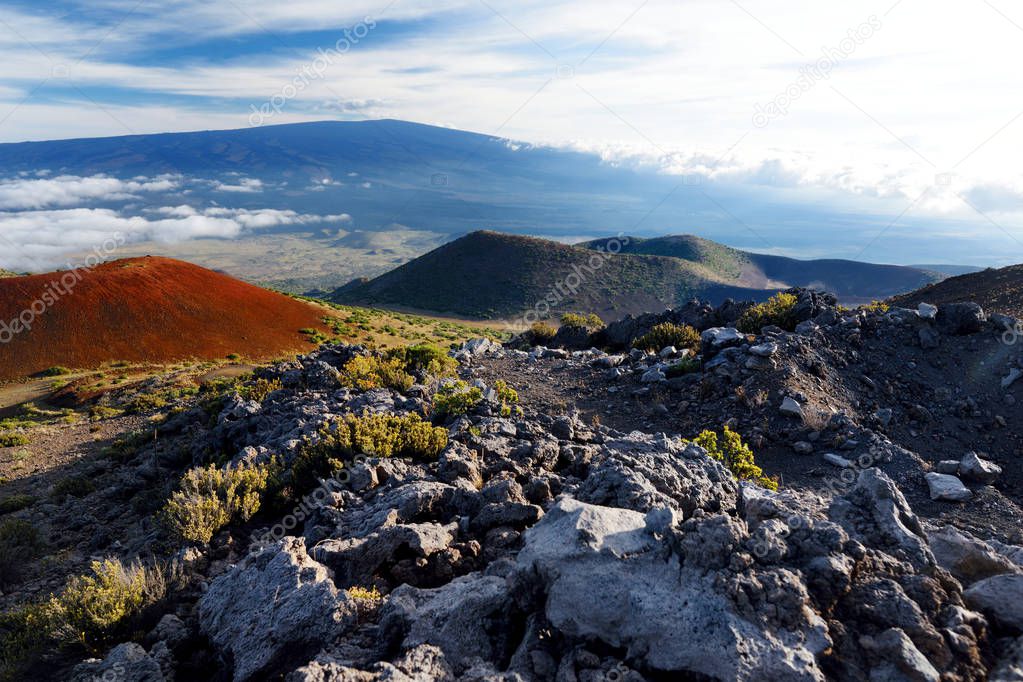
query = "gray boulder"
{"x": 966, "y": 557}
{"x": 275, "y": 605}
{"x": 579, "y": 551}
{"x": 973, "y": 468}
{"x": 960, "y": 318}
{"x": 947, "y": 488}
{"x": 128, "y": 661}
{"x": 999, "y": 597}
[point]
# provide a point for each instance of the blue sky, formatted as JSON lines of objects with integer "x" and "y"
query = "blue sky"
{"x": 910, "y": 111}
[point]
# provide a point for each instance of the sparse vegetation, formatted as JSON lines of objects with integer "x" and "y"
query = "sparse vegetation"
{"x": 455, "y": 398}
{"x": 13, "y": 439}
{"x": 211, "y": 497}
{"x": 425, "y": 359}
{"x": 681, "y": 336}
{"x": 259, "y": 389}
{"x": 777, "y": 311}
{"x": 875, "y": 307}
{"x": 19, "y": 544}
{"x": 735, "y": 455}
{"x": 687, "y": 365}
{"x": 508, "y": 397}
{"x": 369, "y": 371}
{"x": 588, "y": 321}
{"x": 15, "y": 503}
{"x": 75, "y": 486}
{"x": 542, "y": 332}
{"x": 55, "y": 371}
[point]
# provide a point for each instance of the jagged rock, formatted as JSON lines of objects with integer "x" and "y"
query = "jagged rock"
{"x": 966, "y": 557}
{"x": 641, "y": 475}
{"x": 901, "y": 659}
{"x": 128, "y": 661}
{"x": 764, "y": 350}
{"x": 791, "y": 408}
{"x": 470, "y": 618}
{"x": 960, "y": 318}
{"x": 578, "y": 545}
{"x": 653, "y": 376}
{"x": 717, "y": 339}
{"x": 947, "y": 488}
{"x": 999, "y": 597}
{"x": 973, "y": 468}
{"x": 837, "y": 460}
{"x": 876, "y": 513}
{"x": 418, "y": 665}
{"x": 275, "y": 605}
{"x": 355, "y": 560}
{"x": 926, "y": 311}
{"x": 947, "y": 466}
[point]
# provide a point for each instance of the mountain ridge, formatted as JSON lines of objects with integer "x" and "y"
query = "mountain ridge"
{"x": 492, "y": 274}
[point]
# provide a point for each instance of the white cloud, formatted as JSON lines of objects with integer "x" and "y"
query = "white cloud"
{"x": 245, "y": 185}
{"x": 69, "y": 190}
{"x": 40, "y": 240}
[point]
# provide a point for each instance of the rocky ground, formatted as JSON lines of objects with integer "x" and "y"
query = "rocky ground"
{"x": 583, "y": 539}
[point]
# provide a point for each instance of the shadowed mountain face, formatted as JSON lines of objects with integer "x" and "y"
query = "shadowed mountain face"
{"x": 493, "y": 275}
{"x": 999, "y": 290}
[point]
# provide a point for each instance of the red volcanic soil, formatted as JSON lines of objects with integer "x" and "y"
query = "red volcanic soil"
{"x": 143, "y": 310}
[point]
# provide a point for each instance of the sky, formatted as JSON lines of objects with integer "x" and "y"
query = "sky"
{"x": 910, "y": 110}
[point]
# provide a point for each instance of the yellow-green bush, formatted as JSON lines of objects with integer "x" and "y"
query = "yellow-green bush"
{"x": 777, "y": 310}
{"x": 259, "y": 389}
{"x": 209, "y": 498}
{"x": 585, "y": 321}
{"x": 456, "y": 398}
{"x": 735, "y": 455}
{"x": 425, "y": 358}
{"x": 12, "y": 439}
{"x": 876, "y": 307}
{"x": 667, "y": 334}
{"x": 91, "y": 606}
{"x": 508, "y": 397}
{"x": 543, "y": 332}
{"x": 368, "y": 371}
{"x": 382, "y": 435}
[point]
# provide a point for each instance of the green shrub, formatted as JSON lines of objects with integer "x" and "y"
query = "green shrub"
{"x": 426, "y": 359}
{"x": 588, "y": 321}
{"x": 875, "y": 307}
{"x": 259, "y": 389}
{"x": 55, "y": 371}
{"x": 456, "y": 398}
{"x": 508, "y": 397}
{"x": 736, "y": 455}
{"x": 11, "y": 440}
{"x": 686, "y": 365}
{"x": 92, "y": 606}
{"x": 368, "y": 372}
{"x": 665, "y": 334}
{"x": 777, "y": 310}
{"x": 25, "y": 633}
{"x": 15, "y": 503}
{"x": 75, "y": 486}
{"x": 210, "y": 498}
{"x": 19, "y": 544}
{"x": 542, "y": 332}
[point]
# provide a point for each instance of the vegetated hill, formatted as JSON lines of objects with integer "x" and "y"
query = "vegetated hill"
{"x": 851, "y": 281}
{"x": 493, "y": 275}
{"x": 998, "y": 290}
{"x": 144, "y": 310}
{"x": 7, "y": 273}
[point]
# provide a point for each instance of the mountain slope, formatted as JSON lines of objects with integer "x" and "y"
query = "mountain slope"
{"x": 143, "y": 310}
{"x": 489, "y": 274}
{"x": 852, "y": 281}
{"x": 996, "y": 290}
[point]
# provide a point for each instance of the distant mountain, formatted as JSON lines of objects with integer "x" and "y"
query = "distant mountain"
{"x": 996, "y": 290}
{"x": 851, "y": 281}
{"x": 493, "y": 275}
{"x": 143, "y": 310}
{"x": 950, "y": 270}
